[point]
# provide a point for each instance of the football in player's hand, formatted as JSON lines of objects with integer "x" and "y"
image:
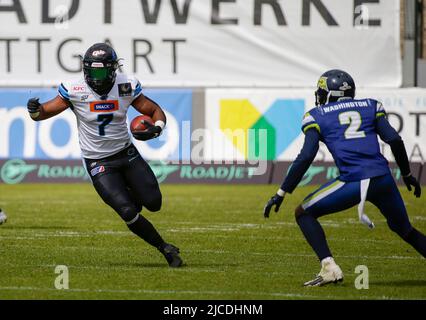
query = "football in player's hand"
{"x": 140, "y": 123}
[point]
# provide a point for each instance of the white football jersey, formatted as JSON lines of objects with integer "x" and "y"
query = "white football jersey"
{"x": 102, "y": 125}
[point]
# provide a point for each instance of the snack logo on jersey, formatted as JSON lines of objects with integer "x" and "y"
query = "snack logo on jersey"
{"x": 104, "y": 106}
{"x": 57, "y": 138}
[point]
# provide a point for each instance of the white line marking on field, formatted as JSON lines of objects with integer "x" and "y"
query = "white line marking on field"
{"x": 191, "y": 292}
{"x": 420, "y": 218}
{"x": 238, "y": 253}
{"x": 279, "y": 254}
{"x": 201, "y": 292}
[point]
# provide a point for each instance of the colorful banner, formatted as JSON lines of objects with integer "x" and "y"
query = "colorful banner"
{"x": 204, "y": 43}
{"x": 57, "y": 138}
{"x": 15, "y": 171}
{"x": 247, "y": 124}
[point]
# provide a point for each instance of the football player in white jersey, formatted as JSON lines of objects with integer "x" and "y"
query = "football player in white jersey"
{"x": 119, "y": 174}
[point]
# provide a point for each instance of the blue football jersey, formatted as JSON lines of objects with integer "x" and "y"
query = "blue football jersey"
{"x": 348, "y": 128}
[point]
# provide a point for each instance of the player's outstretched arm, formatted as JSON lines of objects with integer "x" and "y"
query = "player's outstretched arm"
{"x": 39, "y": 111}
{"x": 150, "y": 108}
{"x": 389, "y": 135}
{"x": 297, "y": 171}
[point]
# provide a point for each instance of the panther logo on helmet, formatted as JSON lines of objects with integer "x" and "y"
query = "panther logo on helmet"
{"x": 334, "y": 85}
{"x": 322, "y": 83}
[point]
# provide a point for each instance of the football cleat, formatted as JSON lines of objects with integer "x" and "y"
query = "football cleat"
{"x": 3, "y": 217}
{"x": 330, "y": 273}
{"x": 171, "y": 253}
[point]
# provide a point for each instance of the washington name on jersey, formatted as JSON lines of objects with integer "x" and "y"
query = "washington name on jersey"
{"x": 101, "y": 120}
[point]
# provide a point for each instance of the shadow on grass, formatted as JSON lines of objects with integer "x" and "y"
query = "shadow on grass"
{"x": 399, "y": 283}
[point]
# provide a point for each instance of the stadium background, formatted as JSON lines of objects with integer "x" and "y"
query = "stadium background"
{"x": 181, "y": 52}
{"x": 224, "y": 71}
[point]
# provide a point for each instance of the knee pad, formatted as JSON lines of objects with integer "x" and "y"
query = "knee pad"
{"x": 128, "y": 213}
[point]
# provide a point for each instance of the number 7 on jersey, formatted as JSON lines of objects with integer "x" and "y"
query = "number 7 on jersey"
{"x": 105, "y": 119}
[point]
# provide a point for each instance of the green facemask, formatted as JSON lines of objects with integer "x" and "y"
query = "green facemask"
{"x": 97, "y": 73}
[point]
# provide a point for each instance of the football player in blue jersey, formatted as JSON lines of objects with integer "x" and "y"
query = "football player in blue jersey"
{"x": 349, "y": 128}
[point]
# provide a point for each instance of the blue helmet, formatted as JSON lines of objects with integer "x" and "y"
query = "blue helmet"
{"x": 334, "y": 85}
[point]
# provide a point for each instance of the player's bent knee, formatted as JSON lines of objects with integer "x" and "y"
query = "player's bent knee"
{"x": 299, "y": 212}
{"x": 128, "y": 213}
{"x": 153, "y": 207}
{"x": 154, "y": 203}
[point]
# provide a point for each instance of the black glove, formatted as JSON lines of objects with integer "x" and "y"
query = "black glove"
{"x": 276, "y": 200}
{"x": 34, "y": 106}
{"x": 411, "y": 181}
{"x": 151, "y": 132}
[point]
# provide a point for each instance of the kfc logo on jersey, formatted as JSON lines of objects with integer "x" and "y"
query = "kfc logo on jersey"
{"x": 79, "y": 88}
{"x": 104, "y": 106}
{"x": 98, "y": 53}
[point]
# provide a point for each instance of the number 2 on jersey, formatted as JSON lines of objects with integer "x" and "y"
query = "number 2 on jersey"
{"x": 105, "y": 119}
{"x": 353, "y": 119}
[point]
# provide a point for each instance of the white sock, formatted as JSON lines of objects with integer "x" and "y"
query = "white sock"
{"x": 328, "y": 260}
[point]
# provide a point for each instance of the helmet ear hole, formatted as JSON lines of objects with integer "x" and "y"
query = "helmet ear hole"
{"x": 321, "y": 97}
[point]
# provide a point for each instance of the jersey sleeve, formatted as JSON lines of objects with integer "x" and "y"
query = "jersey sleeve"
{"x": 63, "y": 91}
{"x": 309, "y": 122}
{"x": 380, "y": 110}
{"x": 136, "y": 88}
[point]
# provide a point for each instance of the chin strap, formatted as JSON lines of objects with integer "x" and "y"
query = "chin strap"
{"x": 364, "y": 184}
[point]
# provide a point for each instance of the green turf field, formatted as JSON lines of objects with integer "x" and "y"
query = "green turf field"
{"x": 230, "y": 250}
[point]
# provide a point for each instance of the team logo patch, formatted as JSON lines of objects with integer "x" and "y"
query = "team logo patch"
{"x": 98, "y": 53}
{"x": 124, "y": 89}
{"x": 104, "y": 106}
{"x": 97, "y": 170}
